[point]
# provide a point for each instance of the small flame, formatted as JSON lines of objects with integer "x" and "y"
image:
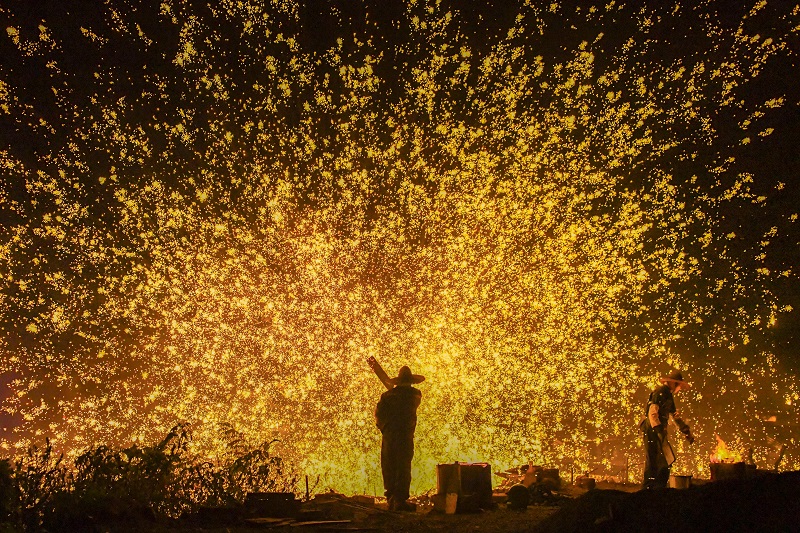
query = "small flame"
{"x": 723, "y": 455}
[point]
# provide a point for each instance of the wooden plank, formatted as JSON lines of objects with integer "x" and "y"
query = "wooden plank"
{"x": 321, "y": 523}
{"x": 348, "y": 528}
{"x": 269, "y": 522}
{"x": 382, "y": 375}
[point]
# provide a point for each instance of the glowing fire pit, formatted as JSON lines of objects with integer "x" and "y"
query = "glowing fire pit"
{"x": 726, "y": 464}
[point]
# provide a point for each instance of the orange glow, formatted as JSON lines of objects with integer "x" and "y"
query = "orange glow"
{"x": 723, "y": 455}
{"x": 538, "y": 227}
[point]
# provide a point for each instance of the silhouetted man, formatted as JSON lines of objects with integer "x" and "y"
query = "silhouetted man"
{"x": 396, "y": 417}
{"x": 658, "y": 452}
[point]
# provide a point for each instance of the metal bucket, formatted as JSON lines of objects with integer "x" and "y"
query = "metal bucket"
{"x": 680, "y": 482}
{"x": 470, "y": 482}
{"x": 724, "y": 471}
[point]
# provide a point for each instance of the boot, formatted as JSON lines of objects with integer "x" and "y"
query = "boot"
{"x": 405, "y": 506}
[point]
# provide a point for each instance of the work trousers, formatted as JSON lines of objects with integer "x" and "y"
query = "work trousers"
{"x": 397, "y": 450}
{"x": 656, "y": 469}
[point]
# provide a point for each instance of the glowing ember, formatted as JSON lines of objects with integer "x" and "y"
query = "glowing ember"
{"x": 723, "y": 455}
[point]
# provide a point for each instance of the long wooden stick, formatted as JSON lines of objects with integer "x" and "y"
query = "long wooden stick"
{"x": 382, "y": 375}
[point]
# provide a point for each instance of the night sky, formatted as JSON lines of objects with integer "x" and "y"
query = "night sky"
{"x": 214, "y": 212}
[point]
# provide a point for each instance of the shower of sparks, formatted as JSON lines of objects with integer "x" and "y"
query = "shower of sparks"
{"x": 209, "y": 218}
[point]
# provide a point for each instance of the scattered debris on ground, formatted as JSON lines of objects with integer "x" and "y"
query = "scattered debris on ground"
{"x": 768, "y": 502}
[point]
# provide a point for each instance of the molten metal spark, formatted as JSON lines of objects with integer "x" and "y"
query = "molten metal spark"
{"x": 210, "y": 220}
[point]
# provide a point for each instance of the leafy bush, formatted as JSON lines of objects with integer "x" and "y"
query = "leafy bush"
{"x": 249, "y": 467}
{"x": 39, "y": 478}
{"x": 137, "y": 483}
{"x": 6, "y": 490}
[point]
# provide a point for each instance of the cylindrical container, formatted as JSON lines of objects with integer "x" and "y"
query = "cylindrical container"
{"x": 450, "y": 502}
{"x": 680, "y": 482}
{"x": 724, "y": 471}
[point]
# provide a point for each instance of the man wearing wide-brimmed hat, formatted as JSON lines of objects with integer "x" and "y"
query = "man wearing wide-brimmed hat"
{"x": 396, "y": 417}
{"x": 658, "y": 452}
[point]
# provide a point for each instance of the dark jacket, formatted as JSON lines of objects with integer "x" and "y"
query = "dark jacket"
{"x": 397, "y": 409}
{"x": 663, "y": 398}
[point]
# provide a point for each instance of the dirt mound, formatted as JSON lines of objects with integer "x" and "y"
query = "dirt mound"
{"x": 766, "y": 503}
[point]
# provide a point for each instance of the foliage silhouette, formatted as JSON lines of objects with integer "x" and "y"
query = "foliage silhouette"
{"x": 137, "y": 484}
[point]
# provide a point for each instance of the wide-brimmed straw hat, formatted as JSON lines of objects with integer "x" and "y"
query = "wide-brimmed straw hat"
{"x": 405, "y": 377}
{"x": 676, "y": 377}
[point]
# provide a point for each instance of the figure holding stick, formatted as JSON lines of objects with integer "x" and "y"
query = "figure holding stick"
{"x": 396, "y": 417}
